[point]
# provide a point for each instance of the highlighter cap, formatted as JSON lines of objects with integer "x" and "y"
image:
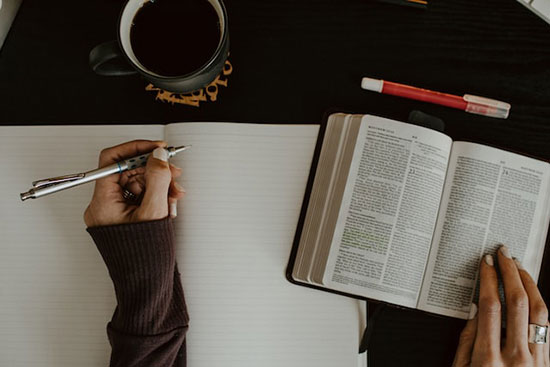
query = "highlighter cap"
{"x": 371, "y": 84}
{"x": 486, "y": 106}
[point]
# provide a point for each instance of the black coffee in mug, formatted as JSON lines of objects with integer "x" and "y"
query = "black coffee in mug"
{"x": 179, "y": 46}
{"x": 175, "y": 37}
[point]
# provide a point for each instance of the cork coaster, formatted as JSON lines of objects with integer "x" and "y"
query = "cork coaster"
{"x": 206, "y": 94}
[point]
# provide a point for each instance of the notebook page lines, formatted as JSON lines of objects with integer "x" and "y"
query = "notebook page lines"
{"x": 245, "y": 185}
{"x": 56, "y": 296}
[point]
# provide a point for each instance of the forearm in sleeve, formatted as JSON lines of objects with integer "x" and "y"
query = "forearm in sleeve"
{"x": 149, "y": 323}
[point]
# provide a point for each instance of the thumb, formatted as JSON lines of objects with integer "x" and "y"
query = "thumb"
{"x": 157, "y": 183}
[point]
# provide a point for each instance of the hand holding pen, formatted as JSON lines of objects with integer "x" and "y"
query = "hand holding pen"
{"x": 155, "y": 184}
{"x": 136, "y": 189}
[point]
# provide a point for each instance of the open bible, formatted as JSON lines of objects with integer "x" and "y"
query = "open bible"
{"x": 402, "y": 214}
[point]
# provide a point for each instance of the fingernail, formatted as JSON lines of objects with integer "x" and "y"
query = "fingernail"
{"x": 489, "y": 260}
{"x": 518, "y": 264}
{"x": 160, "y": 153}
{"x": 505, "y": 251}
{"x": 473, "y": 311}
{"x": 179, "y": 187}
{"x": 173, "y": 210}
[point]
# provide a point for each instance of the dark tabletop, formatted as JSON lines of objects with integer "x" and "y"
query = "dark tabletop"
{"x": 294, "y": 60}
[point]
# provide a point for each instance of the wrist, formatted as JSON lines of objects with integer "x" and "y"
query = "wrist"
{"x": 136, "y": 249}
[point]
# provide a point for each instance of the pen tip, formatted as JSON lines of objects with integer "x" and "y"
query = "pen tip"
{"x": 175, "y": 150}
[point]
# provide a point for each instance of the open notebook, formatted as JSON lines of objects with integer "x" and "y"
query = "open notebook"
{"x": 245, "y": 184}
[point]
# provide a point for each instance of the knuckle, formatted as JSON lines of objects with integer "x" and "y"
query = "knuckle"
{"x": 522, "y": 359}
{"x": 489, "y": 360}
{"x": 159, "y": 170}
{"x": 518, "y": 300}
{"x": 540, "y": 311}
{"x": 158, "y": 175}
{"x": 105, "y": 152}
{"x": 489, "y": 305}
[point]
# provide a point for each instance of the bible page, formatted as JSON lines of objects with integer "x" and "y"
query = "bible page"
{"x": 56, "y": 296}
{"x": 491, "y": 197}
{"x": 245, "y": 185}
{"x": 386, "y": 221}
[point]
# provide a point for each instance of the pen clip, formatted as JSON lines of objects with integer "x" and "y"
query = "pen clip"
{"x": 56, "y": 180}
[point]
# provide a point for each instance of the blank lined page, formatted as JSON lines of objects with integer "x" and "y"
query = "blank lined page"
{"x": 245, "y": 184}
{"x": 56, "y": 296}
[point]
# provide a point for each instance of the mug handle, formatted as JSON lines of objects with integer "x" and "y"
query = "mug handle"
{"x": 107, "y": 59}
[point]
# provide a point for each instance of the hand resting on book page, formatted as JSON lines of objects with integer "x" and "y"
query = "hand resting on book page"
{"x": 481, "y": 342}
{"x": 154, "y": 187}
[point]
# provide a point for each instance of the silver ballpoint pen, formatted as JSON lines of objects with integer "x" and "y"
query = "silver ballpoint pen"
{"x": 50, "y": 185}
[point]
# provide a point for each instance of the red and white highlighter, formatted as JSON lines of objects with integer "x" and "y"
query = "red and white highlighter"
{"x": 469, "y": 103}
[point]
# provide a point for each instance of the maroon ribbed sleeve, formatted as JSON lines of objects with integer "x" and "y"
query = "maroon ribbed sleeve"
{"x": 149, "y": 323}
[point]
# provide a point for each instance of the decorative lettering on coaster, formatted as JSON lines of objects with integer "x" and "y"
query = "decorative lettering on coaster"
{"x": 206, "y": 94}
